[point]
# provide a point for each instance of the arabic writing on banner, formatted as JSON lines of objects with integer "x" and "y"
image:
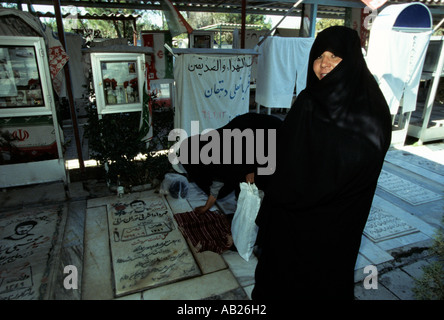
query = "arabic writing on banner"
{"x": 211, "y": 90}
{"x": 202, "y": 64}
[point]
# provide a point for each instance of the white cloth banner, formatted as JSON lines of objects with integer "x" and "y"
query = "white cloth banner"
{"x": 396, "y": 58}
{"x": 211, "y": 89}
{"x": 282, "y": 65}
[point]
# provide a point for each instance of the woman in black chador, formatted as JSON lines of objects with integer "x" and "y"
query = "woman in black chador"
{"x": 219, "y": 180}
{"x": 330, "y": 153}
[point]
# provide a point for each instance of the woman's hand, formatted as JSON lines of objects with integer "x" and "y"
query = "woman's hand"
{"x": 201, "y": 209}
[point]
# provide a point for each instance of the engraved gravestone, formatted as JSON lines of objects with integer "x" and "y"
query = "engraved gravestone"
{"x": 28, "y": 251}
{"x": 147, "y": 249}
{"x": 381, "y": 225}
{"x": 415, "y": 160}
{"x": 406, "y": 190}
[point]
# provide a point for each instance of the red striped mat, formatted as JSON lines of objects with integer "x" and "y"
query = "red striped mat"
{"x": 207, "y": 232}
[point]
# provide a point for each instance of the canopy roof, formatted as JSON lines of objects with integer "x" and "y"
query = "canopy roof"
{"x": 333, "y": 8}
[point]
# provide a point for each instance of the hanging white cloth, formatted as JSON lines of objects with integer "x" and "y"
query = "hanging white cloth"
{"x": 396, "y": 59}
{"x": 210, "y": 89}
{"x": 282, "y": 65}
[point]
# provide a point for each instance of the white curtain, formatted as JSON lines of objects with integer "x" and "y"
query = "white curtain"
{"x": 282, "y": 65}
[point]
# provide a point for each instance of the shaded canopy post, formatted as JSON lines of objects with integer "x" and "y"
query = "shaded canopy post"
{"x": 61, "y": 35}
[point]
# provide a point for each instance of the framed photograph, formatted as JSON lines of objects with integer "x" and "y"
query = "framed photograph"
{"x": 202, "y": 39}
{"x": 118, "y": 80}
{"x": 8, "y": 87}
{"x": 131, "y": 67}
{"x": 25, "y": 84}
{"x": 21, "y": 99}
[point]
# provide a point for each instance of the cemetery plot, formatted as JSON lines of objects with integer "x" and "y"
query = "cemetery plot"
{"x": 382, "y": 225}
{"x": 29, "y": 248}
{"x": 406, "y": 190}
{"x": 147, "y": 249}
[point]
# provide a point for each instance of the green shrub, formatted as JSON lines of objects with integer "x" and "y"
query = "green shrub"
{"x": 431, "y": 285}
{"x": 115, "y": 141}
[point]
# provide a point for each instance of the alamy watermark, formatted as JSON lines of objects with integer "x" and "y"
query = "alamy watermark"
{"x": 72, "y": 279}
{"x": 371, "y": 281}
{"x": 250, "y": 141}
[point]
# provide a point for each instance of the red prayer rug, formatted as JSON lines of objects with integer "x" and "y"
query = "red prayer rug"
{"x": 210, "y": 231}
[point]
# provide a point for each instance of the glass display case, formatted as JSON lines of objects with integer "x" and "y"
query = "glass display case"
{"x": 118, "y": 81}
{"x": 24, "y": 88}
{"x": 31, "y": 145}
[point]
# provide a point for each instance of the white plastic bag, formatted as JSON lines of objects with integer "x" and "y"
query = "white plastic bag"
{"x": 175, "y": 185}
{"x": 243, "y": 227}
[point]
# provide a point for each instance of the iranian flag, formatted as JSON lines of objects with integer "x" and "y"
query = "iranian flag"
{"x": 176, "y": 22}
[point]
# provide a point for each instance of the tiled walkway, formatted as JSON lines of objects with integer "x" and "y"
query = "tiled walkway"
{"x": 409, "y": 200}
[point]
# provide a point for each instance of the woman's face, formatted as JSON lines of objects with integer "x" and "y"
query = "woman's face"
{"x": 325, "y": 63}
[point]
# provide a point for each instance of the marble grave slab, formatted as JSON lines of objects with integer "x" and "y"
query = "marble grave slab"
{"x": 381, "y": 225}
{"x": 406, "y": 190}
{"x": 29, "y": 248}
{"x": 399, "y": 156}
{"x": 147, "y": 248}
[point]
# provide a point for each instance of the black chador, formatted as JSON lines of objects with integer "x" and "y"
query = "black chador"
{"x": 330, "y": 153}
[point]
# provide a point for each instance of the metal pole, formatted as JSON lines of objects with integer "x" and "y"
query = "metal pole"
{"x": 243, "y": 19}
{"x": 61, "y": 35}
{"x": 438, "y": 25}
{"x": 313, "y": 15}
{"x": 274, "y": 28}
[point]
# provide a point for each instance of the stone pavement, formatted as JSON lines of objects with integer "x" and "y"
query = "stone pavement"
{"x": 408, "y": 205}
{"x": 413, "y": 193}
